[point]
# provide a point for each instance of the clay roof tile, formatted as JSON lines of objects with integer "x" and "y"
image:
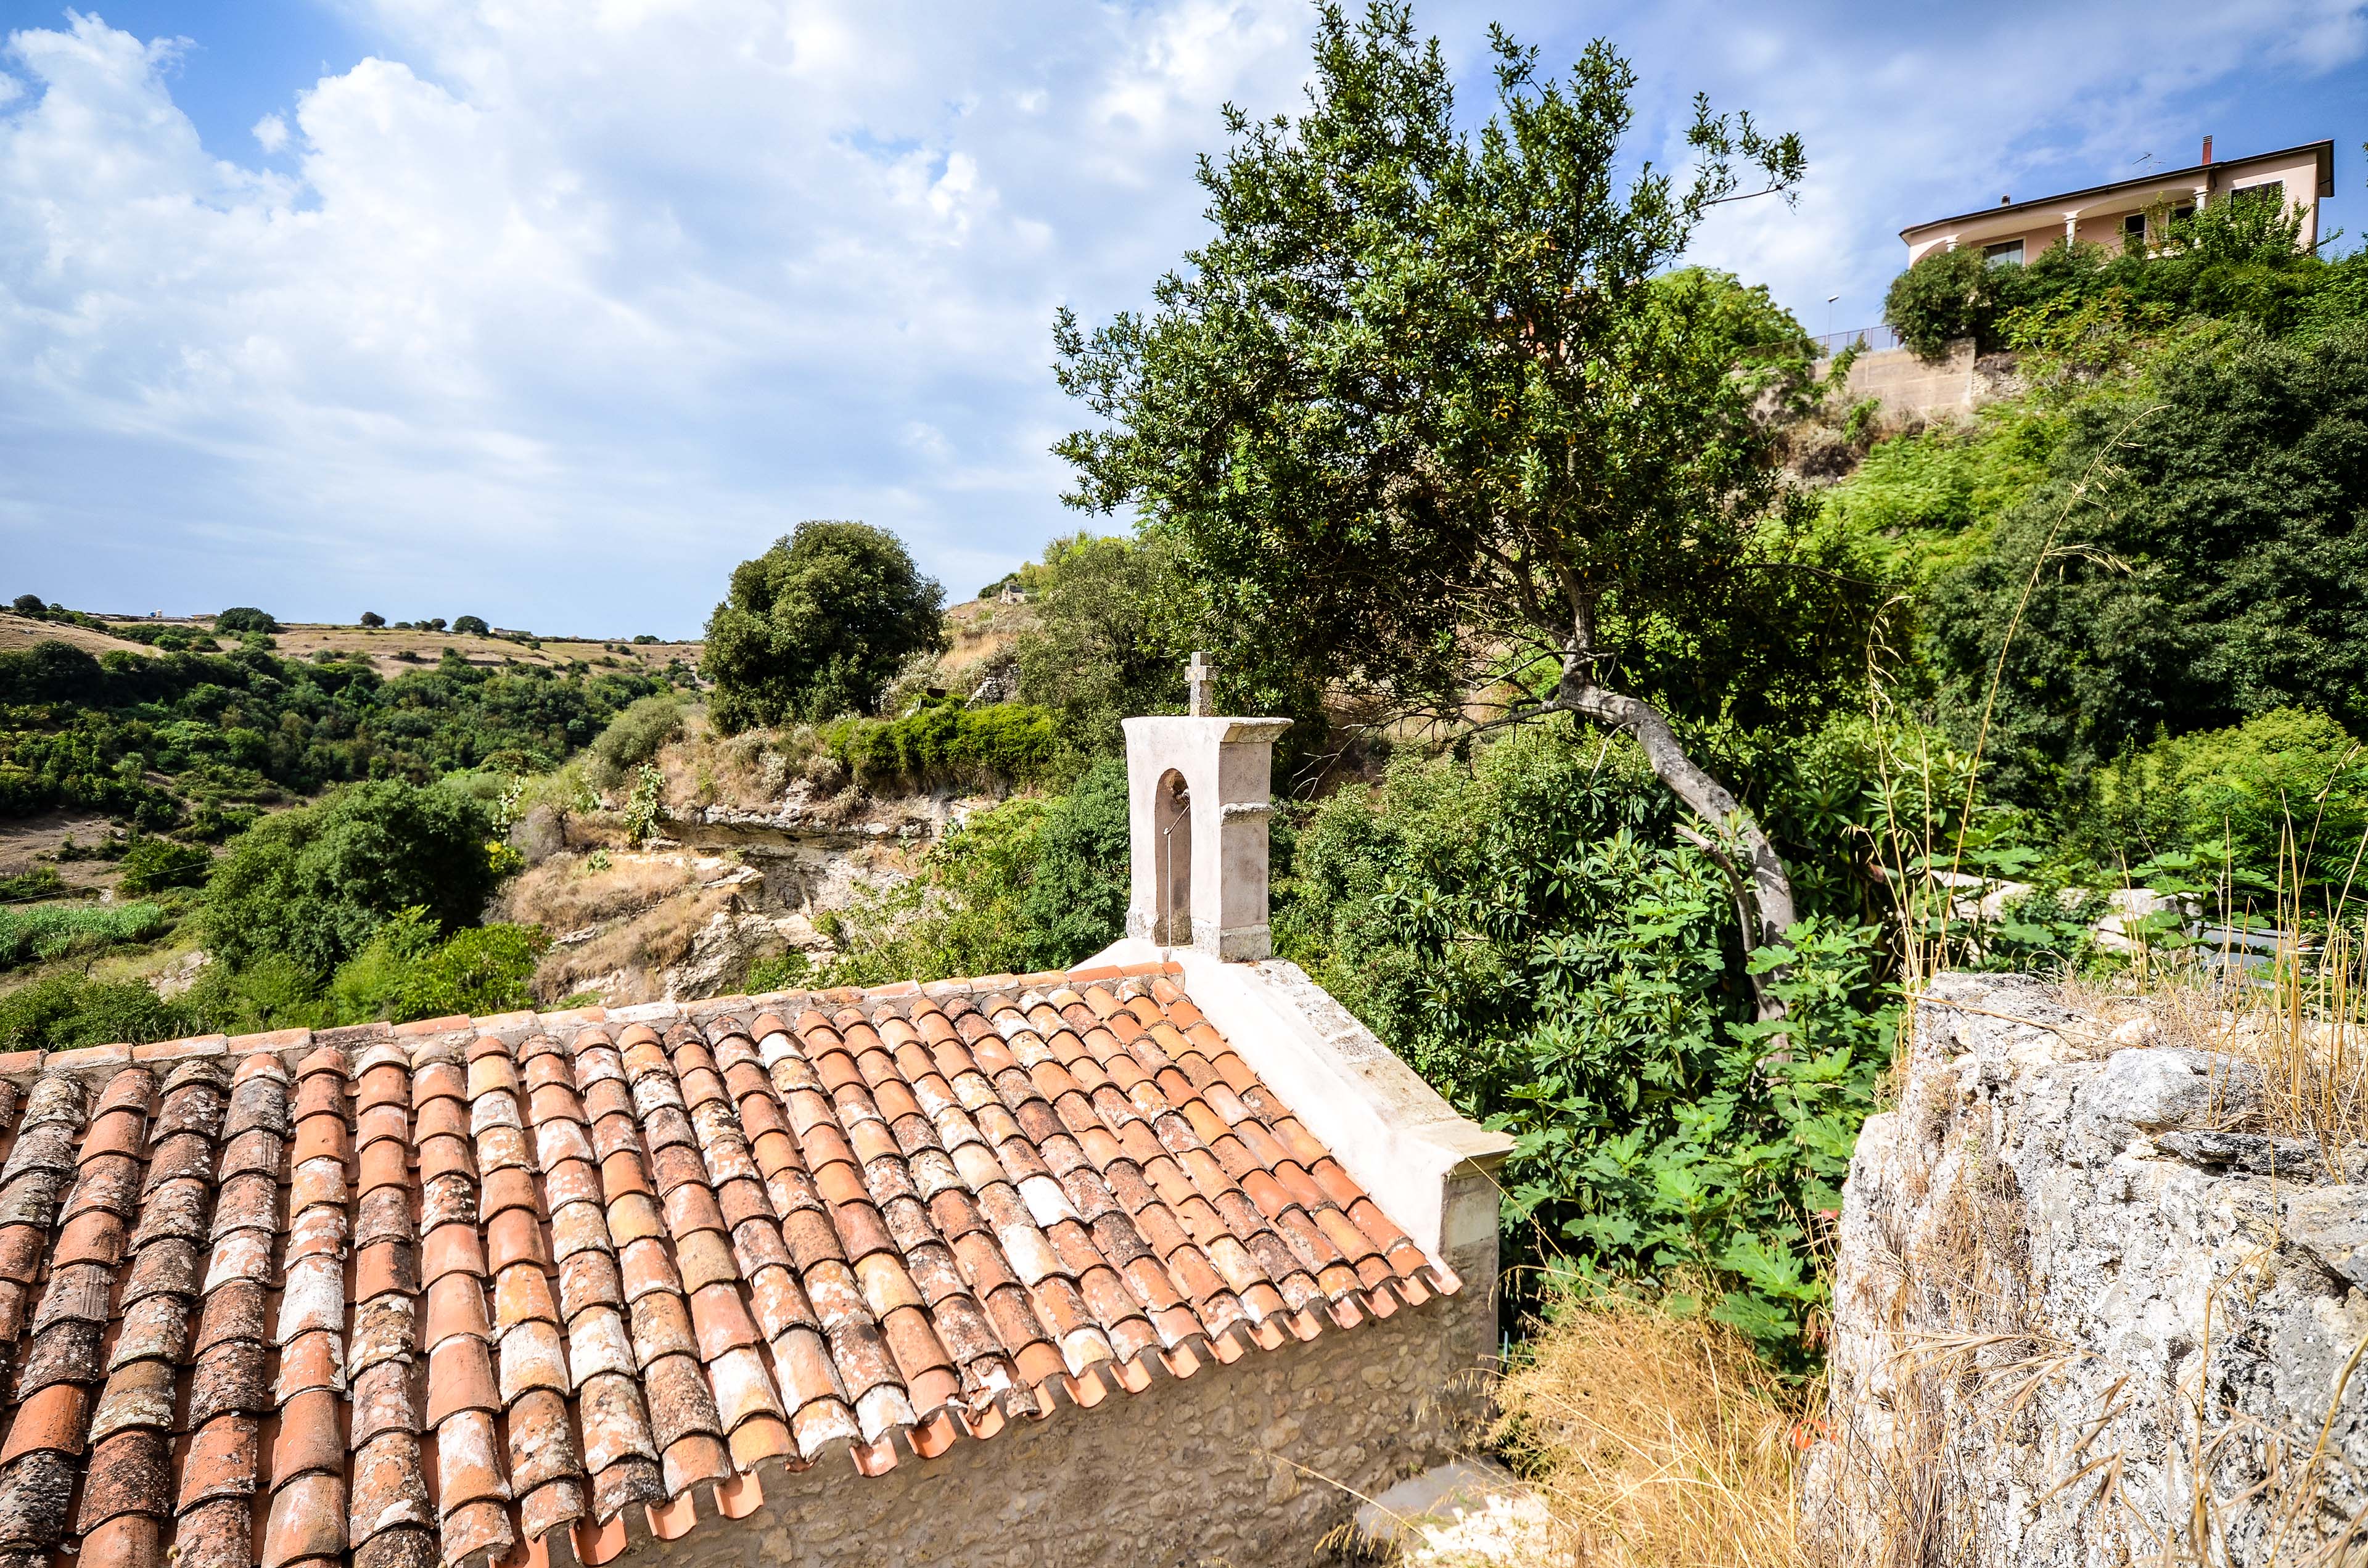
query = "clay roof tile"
{"x": 390, "y": 1492}
{"x": 911, "y": 1211}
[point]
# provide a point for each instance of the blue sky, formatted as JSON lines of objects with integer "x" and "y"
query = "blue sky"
{"x": 551, "y": 310}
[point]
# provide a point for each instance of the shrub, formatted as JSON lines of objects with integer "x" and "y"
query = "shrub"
{"x": 646, "y": 808}
{"x": 315, "y": 884}
{"x": 410, "y": 970}
{"x": 470, "y": 626}
{"x": 1954, "y": 294}
{"x": 43, "y": 931}
{"x": 27, "y": 604}
{"x": 942, "y": 741}
{"x": 245, "y": 617}
{"x": 41, "y": 882}
{"x": 273, "y": 992}
{"x": 633, "y": 737}
{"x": 2281, "y": 792}
{"x": 1529, "y": 934}
{"x": 1034, "y": 884}
{"x": 792, "y": 970}
{"x": 63, "y": 1012}
{"x": 152, "y": 865}
{"x": 371, "y": 617}
{"x": 2193, "y": 558}
{"x": 816, "y": 626}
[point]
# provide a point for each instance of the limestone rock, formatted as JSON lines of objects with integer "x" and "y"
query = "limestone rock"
{"x": 2065, "y": 1254}
{"x": 2333, "y": 1223}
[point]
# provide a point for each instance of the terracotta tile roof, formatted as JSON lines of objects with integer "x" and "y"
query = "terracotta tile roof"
{"x": 426, "y": 1295}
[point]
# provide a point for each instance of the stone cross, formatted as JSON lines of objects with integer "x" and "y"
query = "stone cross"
{"x": 1199, "y": 673}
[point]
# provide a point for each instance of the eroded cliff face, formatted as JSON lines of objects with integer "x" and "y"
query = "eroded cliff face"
{"x": 2087, "y": 1304}
{"x": 688, "y": 912}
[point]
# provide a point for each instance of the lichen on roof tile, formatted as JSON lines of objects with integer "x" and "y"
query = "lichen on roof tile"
{"x": 423, "y": 1295}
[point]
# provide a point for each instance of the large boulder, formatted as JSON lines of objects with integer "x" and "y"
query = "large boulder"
{"x": 2087, "y": 1300}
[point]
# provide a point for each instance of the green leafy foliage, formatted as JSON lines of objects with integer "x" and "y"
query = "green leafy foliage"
{"x": 2286, "y": 790}
{"x": 1033, "y": 883}
{"x": 2193, "y": 557}
{"x": 33, "y": 933}
{"x": 816, "y": 626}
{"x": 470, "y": 626}
{"x": 245, "y": 617}
{"x": 1115, "y": 620}
{"x": 1950, "y": 295}
{"x": 633, "y": 738}
{"x": 62, "y": 1012}
{"x": 645, "y": 807}
{"x": 2233, "y": 261}
{"x": 1763, "y": 344}
{"x": 942, "y": 741}
{"x": 1498, "y": 507}
{"x": 411, "y": 971}
{"x": 315, "y": 884}
{"x": 41, "y": 882}
{"x": 145, "y": 737}
{"x": 791, "y": 970}
{"x": 1924, "y": 501}
{"x": 1529, "y": 934}
{"x": 152, "y": 865}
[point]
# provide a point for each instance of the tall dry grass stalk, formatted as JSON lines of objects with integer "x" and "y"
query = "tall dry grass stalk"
{"x": 1658, "y": 1442}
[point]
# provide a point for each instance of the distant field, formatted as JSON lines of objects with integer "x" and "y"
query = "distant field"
{"x": 383, "y": 646}
{"x": 17, "y": 631}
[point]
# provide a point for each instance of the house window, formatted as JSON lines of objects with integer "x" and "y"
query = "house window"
{"x": 2007, "y": 254}
{"x": 2182, "y": 212}
{"x": 2134, "y": 227}
{"x": 2270, "y": 193}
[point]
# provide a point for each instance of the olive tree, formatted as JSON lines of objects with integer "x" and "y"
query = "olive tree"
{"x": 1428, "y": 414}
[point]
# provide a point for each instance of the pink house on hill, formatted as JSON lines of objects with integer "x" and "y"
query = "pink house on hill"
{"x": 2111, "y": 214}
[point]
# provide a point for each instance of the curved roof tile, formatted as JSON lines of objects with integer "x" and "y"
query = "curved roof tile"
{"x": 600, "y": 1265}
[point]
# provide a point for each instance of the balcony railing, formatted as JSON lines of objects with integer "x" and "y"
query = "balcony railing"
{"x": 1869, "y": 340}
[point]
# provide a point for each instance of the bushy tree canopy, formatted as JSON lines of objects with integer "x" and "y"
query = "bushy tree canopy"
{"x": 245, "y": 617}
{"x": 316, "y": 884}
{"x": 2198, "y": 555}
{"x": 1114, "y": 622}
{"x": 816, "y": 626}
{"x": 471, "y": 625}
{"x": 1424, "y": 413}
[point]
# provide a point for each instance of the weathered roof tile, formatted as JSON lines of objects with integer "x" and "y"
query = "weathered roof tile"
{"x": 597, "y": 1268}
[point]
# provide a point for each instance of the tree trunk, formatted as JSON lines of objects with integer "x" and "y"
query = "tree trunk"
{"x": 1771, "y": 885}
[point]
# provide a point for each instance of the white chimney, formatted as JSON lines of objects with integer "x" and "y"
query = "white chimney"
{"x": 1200, "y": 789}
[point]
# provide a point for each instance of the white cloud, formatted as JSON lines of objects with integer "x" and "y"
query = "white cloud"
{"x": 557, "y": 308}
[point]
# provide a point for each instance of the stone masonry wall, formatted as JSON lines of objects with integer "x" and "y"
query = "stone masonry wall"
{"x": 2083, "y": 1300}
{"x": 1250, "y": 1465}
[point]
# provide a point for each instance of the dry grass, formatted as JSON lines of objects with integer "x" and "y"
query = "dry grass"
{"x": 23, "y": 631}
{"x": 2303, "y": 1025}
{"x": 1658, "y": 1442}
{"x": 625, "y": 961}
{"x": 566, "y": 893}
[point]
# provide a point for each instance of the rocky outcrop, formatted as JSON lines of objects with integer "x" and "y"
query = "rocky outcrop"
{"x": 2089, "y": 1301}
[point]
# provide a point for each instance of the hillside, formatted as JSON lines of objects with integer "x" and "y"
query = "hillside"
{"x": 18, "y": 631}
{"x": 389, "y": 650}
